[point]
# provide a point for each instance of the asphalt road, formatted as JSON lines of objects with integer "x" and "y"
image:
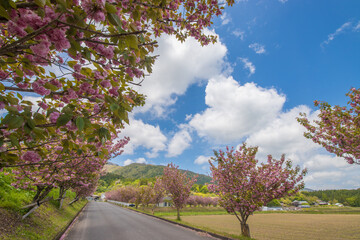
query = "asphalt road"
{"x": 101, "y": 220}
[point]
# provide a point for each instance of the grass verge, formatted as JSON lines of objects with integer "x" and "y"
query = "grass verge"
{"x": 45, "y": 223}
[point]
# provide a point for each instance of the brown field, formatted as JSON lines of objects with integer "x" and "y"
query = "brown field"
{"x": 284, "y": 226}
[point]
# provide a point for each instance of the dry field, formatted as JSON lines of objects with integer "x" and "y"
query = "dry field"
{"x": 285, "y": 226}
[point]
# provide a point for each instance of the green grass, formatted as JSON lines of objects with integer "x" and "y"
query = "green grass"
{"x": 45, "y": 223}
{"x": 10, "y": 197}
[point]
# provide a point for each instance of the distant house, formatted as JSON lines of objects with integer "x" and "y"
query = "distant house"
{"x": 166, "y": 202}
{"x": 323, "y": 203}
{"x": 265, "y": 208}
{"x": 301, "y": 204}
{"x": 339, "y": 204}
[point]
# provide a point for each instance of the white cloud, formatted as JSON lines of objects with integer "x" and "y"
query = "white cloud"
{"x": 144, "y": 135}
{"x": 139, "y": 160}
{"x": 201, "y": 160}
{"x": 283, "y": 1}
{"x": 235, "y": 110}
{"x": 253, "y": 114}
{"x": 179, "y": 66}
{"x": 179, "y": 143}
{"x": 357, "y": 27}
{"x": 337, "y": 32}
{"x": 225, "y": 19}
{"x": 238, "y": 33}
{"x": 258, "y": 48}
{"x": 283, "y": 134}
{"x": 248, "y": 65}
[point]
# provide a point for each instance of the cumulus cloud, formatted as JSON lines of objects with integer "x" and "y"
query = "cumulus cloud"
{"x": 235, "y": 111}
{"x": 144, "y": 135}
{"x": 249, "y": 113}
{"x": 336, "y": 33}
{"x": 248, "y": 65}
{"x": 283, "y": 134}
{"x": 138, "y": 160}
{"x": 258, "y": 48}
{"x": 179, "y": 66}
{"x": 201, "y": 160}
{"x": 180, "y": 141}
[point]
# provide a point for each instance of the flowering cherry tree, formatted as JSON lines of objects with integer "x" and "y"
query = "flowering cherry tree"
{"x": 64, "y": 170}
{"x": 157, "y": 194}
{"x": 178, "y": 185}
{"x": 337, "y": 128}
{"x": 243, "y": 186}
{"x": 80, "y": 59}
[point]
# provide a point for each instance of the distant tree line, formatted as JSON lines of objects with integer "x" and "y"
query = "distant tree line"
{"x": 346, "y": 197}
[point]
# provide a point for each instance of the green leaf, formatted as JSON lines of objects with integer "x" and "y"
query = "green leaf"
{"x": 31, "y": 124}
{"x": 40, "y": 3}
{"x": 14, "y": 140}
{"x": 16, "y": 122}
{"x": 4, "y": 13}
{"x": 50, "y": 86}
{"x": 110, "y": 8}
{"x": 80, "y": 123}
{"x": 132, "y": 41}
{"x": 114, "y": 107}
{"x": 12, "y": 4}
{"x": 87, "y": 123}
{"x": 72, "y": 63}
{"x": 104, "y": 133}
{"x": 63, "y": 119}
{"x": 2, "y": 87}
{"x": 114, "y": 19}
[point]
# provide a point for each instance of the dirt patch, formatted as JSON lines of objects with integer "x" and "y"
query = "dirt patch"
{"x": 9, "y": 221}
{"x": 285, "y": 226}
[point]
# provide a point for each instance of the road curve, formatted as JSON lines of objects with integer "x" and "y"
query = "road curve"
{"x": 101, "y": 220}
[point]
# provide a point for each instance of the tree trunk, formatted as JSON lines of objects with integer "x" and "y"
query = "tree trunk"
{"x": 245, "y": 230}
{"x": 62, "y": 199}
{"x": 27, "y": 214}
{"x": 178, "y": 214}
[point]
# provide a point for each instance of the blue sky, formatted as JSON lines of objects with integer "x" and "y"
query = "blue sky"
{"x": 272, "y": 60}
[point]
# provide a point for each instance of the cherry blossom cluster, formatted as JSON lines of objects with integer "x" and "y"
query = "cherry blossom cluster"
{"x": 337, "y": 128}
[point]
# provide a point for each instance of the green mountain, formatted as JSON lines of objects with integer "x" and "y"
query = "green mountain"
{"x": 138, "y": 171}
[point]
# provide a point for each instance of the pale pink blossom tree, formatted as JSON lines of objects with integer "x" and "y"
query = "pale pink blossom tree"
{"x": 243, "y": 186}
{"x": 178, "y": 185}
{"x": 337, "y": 128}
{"x": 158, "y": 194}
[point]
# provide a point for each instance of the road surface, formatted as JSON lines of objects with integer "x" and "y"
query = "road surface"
{"x": 101, "y": 220}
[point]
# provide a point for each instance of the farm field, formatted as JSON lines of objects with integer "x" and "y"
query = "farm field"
{"x": 283, "y": 225}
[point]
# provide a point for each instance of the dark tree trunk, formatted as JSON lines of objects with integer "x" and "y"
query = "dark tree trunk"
{"x": 245, "y": 230}
{"x": 178, "y": 214}
{"x": 75, "y": 200}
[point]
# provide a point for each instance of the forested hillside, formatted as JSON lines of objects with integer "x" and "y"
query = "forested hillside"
{"x": 139, "y": 171}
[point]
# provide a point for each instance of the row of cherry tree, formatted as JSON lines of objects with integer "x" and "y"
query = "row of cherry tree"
{"x": 67, "y": 71}
{"x": 242, "y": 185}
{"x": 172, "y": 183}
